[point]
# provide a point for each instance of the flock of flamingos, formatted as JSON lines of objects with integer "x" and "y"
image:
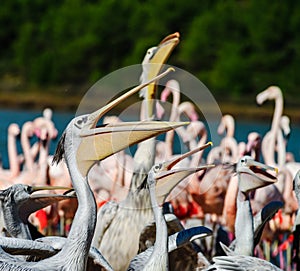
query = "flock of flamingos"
{"x": 239, "y": 201}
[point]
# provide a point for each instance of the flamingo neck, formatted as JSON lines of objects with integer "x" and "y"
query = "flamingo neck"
{"x": 13, "y": 155}
{"x": 26, "y": 149}
{"x": 277, "y": 113}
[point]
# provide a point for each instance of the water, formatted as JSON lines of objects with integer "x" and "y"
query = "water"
{"x": 61, "y": 119}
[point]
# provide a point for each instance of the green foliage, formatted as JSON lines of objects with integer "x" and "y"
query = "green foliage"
{"x": 237, "y": 47}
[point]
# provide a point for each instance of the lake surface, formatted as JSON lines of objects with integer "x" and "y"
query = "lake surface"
{"x": 61, "y": 119}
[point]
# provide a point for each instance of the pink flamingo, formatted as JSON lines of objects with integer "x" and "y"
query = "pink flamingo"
{"x": 15, "y": 160}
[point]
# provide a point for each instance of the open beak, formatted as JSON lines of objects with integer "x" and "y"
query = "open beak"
{"x": 153, "y": 67}
{"x": 169, "y": 177}
{"x": 38, "y": 201}
{"x": 94, "y": 117}
{"x": 98, "y": 143}
{"x": 162, "y": 52}
{"x": 256, "y": 175}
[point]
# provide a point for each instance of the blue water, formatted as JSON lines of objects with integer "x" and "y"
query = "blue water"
{"x": 61, "y": 119}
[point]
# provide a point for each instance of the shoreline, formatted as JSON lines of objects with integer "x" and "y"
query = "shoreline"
{"x": 69, "y": 103}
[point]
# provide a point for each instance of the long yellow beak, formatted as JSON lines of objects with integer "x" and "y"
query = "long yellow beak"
{"x": 168, "y": 178}
{"x": 153, "y": 67}
{"x": 162, "y": 52}
{"x": 95, "y": 116}
{"x": 115, "y": 137}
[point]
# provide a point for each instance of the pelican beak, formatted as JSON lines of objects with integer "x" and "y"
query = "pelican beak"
{"x": 38, "y": 201}
{"x": 169, "y": 177}
{"x": 98, "y": 143}
{"x": 161, "y": 54}
{"x": 42, "y": 188}
{"x": 94, "y": 117}
{"x": 170, "y": 164}
{"x": 255, "y": 175}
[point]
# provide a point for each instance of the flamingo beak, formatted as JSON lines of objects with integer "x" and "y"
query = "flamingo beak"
{"x": 256, "y": 175}
{"x": 97, "y": 143}
{"x": 169, "y": 177}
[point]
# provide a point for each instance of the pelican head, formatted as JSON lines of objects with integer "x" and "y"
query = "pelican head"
{"x": 93, "y": 143}
{"x": 166, "y": 177}
{"x": 253, "y": 175}
{"x": 26, "y": 199}
{"x": 152, "y": 64}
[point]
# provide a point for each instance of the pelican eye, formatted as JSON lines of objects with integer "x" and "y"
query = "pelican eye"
{"x": 81, "y": 121}
{"x": 157, "y": 167}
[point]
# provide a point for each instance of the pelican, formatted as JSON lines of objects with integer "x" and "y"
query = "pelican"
{"x": 111, "y": 237}
{"x": 82, "y": 144}
{"x": 158, "y": 181}
{"x": 154, "y": 59}
{"x": 130, "y": 215}
{"x": 18, "y": 202}
{"x": 251, "y": 175}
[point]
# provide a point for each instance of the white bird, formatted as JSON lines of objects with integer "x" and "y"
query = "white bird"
{"x": 160, "y": 178}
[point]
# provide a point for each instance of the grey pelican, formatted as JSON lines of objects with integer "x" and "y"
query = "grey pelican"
{"x": 130, "y": 215}
{"x": 251, "y": 175}
{"x": 16, "y": 204}
{"x": 82, "y": 144}
{"x": 159, "y": 180}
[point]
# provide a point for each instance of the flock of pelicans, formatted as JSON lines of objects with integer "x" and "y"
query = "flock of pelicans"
{"x": 156, "y": 210}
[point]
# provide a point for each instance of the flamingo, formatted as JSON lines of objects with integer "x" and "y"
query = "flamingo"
{"x": 273, "y": 137}
{"x": 7, "y": 175}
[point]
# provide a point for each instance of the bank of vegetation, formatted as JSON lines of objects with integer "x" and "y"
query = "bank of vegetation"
{"x": 237, "y": 48}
